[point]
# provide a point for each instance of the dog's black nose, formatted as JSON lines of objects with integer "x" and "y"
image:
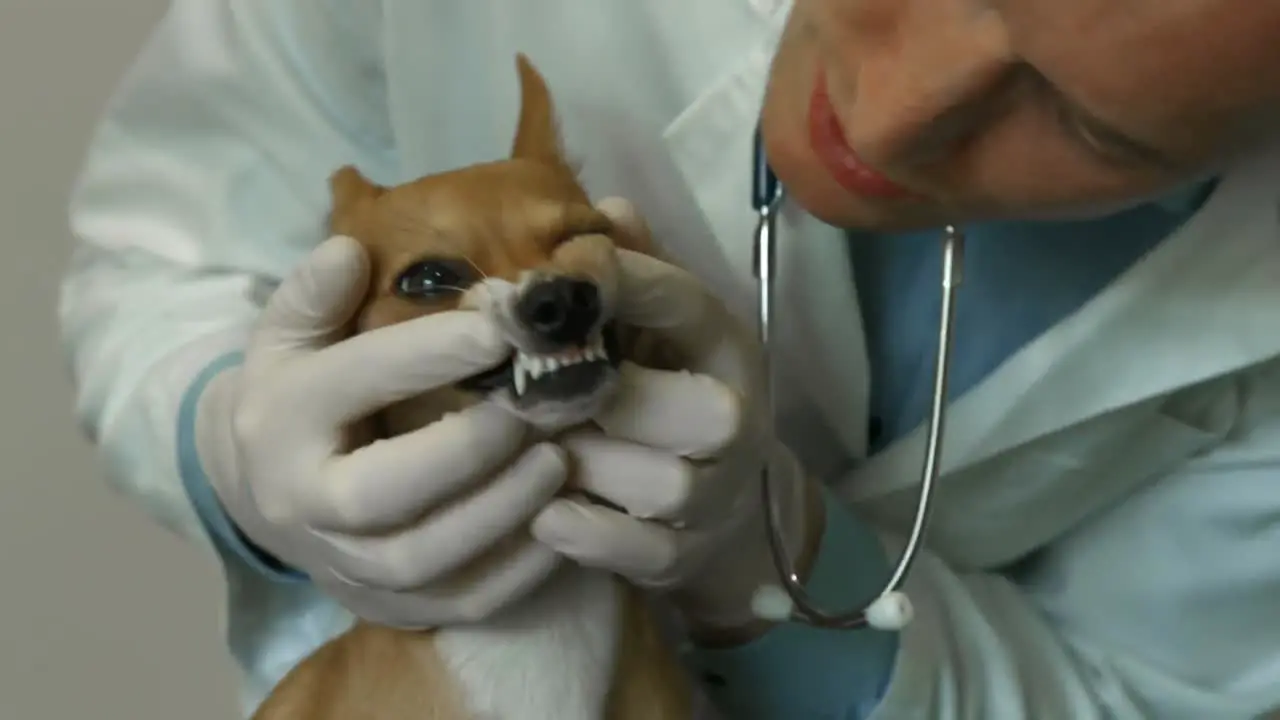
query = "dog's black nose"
{"x": 560, "y": 310}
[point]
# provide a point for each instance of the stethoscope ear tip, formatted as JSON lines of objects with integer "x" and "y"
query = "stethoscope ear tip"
{"x": 890, "y": 611}
{"x": 772, "y": 603}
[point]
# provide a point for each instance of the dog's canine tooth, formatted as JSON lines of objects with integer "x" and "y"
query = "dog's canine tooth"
{"x": 521, "y": 370}
{"x": 519, "y": 377}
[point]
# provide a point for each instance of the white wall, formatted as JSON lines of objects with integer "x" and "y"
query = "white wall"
{"x": 102, "y": 614}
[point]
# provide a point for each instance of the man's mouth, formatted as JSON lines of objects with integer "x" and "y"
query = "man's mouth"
{"x": 559, "y": 375}
{"x": 827, "y": 140}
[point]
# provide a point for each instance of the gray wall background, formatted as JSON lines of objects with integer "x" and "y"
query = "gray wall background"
{"x": 102, "y": 613}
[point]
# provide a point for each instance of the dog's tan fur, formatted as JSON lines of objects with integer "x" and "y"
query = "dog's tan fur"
{"x": 506, "y": 218}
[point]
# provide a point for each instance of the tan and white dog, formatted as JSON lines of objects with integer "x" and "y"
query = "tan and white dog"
{"x": 521, "y": 238}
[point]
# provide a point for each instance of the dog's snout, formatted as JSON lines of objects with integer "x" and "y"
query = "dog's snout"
{"x": 560, "y": 310}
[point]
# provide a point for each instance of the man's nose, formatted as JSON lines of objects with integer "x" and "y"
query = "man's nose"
{"x": 560, "y": 310}
{"x": 929, "y": 77}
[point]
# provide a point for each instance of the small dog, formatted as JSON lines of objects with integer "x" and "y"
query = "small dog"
{"x": 518, "y": 238}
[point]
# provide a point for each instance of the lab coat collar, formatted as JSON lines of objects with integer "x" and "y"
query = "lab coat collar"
{"x": 818, "y": 332}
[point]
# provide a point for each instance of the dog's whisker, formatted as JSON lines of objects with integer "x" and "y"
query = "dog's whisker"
{"x": 478, "y": 269}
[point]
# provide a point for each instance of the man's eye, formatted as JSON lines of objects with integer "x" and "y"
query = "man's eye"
{"x": 1101, "y": 149}
{"x": 1078, "y": 133}
{"x": 433, "y": 279}
{"x": 1109, "y": 147}
{"x": 1106, "y": 146}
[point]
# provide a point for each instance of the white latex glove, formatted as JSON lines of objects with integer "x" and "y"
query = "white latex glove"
{"x": 381, "y": 528}
{"x": 681, "y": 452}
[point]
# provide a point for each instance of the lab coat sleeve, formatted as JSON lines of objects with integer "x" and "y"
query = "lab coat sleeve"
{"x": 1164, "y": 607}
{"x": 207, "y": 171}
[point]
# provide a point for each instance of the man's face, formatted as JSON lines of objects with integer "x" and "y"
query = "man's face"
{"x": 894, "y": 114}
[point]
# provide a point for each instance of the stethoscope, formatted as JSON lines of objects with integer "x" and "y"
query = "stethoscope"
{"x": 891, "y": 609}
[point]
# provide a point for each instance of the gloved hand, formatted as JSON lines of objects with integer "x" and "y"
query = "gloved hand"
{"x": 681, "y": 452}
{"x": 384, "y": 527}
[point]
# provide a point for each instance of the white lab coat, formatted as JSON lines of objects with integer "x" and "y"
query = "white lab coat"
{"x": 1132, "y": 452}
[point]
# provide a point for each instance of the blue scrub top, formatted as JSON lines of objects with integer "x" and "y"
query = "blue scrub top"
{"x": 1020, "y": 279}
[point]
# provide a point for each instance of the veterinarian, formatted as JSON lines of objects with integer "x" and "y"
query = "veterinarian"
{"x": 1107, "y": 527}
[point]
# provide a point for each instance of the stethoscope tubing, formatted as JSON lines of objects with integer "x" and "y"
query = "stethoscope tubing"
{"x": 767, "y": 199}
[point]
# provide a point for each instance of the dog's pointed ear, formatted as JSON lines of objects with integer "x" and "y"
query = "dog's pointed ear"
{"x": 349, "y": 187}
{"x": 348, "y": 190}
{"x": 537, "y": 134}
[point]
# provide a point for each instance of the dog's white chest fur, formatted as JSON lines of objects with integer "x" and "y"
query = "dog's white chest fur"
{"x": 551, "y": 657}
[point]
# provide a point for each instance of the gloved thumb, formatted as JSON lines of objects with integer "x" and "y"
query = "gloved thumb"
{"x": 316, "y": 300}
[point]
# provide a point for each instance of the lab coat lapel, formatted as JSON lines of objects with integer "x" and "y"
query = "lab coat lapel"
{"x": 818, "y": 332}
{"x": 1203, "y": 304}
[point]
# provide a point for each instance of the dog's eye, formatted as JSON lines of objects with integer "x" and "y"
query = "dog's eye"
{"x": 432, "y": 279}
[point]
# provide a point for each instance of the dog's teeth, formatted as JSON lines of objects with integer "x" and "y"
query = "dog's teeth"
{"x": 520, "y": 372}
{"x": 520, "y": 378}
{"x": 595, "y": 350}
{"x": 528, "y": 367}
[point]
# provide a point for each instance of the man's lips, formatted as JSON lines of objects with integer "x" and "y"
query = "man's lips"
{"x": 828, "y": 142}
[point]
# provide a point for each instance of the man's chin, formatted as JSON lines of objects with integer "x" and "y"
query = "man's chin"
{"x": 880, "y": 220}
{"x": 839, "y": 209}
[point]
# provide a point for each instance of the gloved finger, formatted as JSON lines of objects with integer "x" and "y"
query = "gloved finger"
{"x": 642, "y": 551}
{"x": 622, "y": 212}
{"x": 654, "y": 484}
{"x": 455, "y": 534}
{"x": 368, "y": 372}
{"x": 657, "y": 295}
{"x": 511, "y": 577}
{"x": 694, "y": 416}
{"x": 392, "y": 481}
{"x": 647, "y": 483}
{"x": 675, "y": 304}
{"x": 317, "y": 298}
